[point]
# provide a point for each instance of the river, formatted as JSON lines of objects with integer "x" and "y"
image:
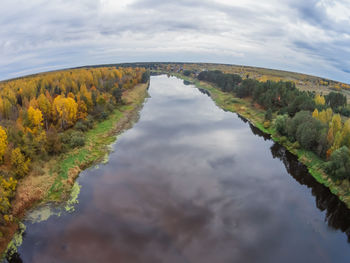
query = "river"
{"x": 193, "y": 183}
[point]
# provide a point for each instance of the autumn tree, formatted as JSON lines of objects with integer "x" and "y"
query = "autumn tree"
{"x": 57, "y": 100}
{"x": 7, "y": 191}
{"x": 320, "y": 100}
{"x": 3, "y": 142}
{"x": 82, "y": 110}
{"x": 86, "y": 95}
{"x": 35, "y": 117}
{"x": 330, "y": 136}
{"x": 19, "y": 164}
{"x": 45, "y": 108}
{"x": 336, "y": 123}
{"x": 346, "y": 134}
{"x": 65, "y": 111}
{"x": 281, "y": 124}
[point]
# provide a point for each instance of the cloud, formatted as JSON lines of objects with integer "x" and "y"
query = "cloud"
{"x": 304, "y": 36}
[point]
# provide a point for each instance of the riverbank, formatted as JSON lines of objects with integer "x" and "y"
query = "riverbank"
{"x": 256, "y": 116}
{"x": 58, "y": 175}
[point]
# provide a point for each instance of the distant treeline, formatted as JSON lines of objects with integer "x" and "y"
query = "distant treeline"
{"x": 282, "y": 96}
{"x": 310, "y": 121}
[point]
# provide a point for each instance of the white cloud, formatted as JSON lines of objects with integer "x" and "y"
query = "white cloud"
{"x": 112, "y": 6}
{"x": 309, "y": 37}
{"x": 338, "y": 11}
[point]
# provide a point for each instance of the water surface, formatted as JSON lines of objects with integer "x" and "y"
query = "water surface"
{"x": 193, "y": 183}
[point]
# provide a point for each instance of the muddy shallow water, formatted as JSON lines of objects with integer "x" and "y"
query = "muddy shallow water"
{"x": 192, "y": 183}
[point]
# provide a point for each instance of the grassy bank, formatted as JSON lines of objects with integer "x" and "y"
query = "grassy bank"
{"x": 256, "y": 116}
{"x": 57, "y": 176}
{"x": 67, "y": 168}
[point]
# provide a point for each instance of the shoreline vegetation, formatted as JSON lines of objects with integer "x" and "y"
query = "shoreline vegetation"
{"x": 54, "y": 125}
{"x": 256, "y": 115}
{"x": 58, "y": 172}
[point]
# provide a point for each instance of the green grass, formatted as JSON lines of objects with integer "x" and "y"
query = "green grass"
{"x": 104, "y": 126}
{"x": 57, "y": 184}
{"x": 95, "y": 148}
{"x": 85, "y": 155}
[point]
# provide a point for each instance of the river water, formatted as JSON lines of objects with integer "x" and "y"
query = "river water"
{"x": 193, "y": 183}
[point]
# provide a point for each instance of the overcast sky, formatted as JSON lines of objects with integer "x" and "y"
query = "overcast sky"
{"x": 309, "y": 36}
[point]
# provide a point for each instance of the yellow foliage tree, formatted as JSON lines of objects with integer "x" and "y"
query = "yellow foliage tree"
{"x": 19, "y": 165}
{"x": 35, "y": 117}
{"x": 322, "y": 116}
{"x": 336, "y": 123}
{"x": 325, "y": 116}
{"x": 45, "y": 107}
{"x": 82, "y": 110}
{"x": 329, "y": 114}
{"x": 315, "y": 114}
{"x": 337, "y": 142}
{"x": 346, "y": 133}
{"x": 330, "y": 136}
{"x": 3, "y": 142}
{"x": 4, "y": 201}
{"x": 87, "y": 94}
{"x": 33, "y": 103}
{"x": 320, "y": 100}
{"x": 65, "y": 111}
{"x": 118, "y": 74}
{"x": 9, "y": 184}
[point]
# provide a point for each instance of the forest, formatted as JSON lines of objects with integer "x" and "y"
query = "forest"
{"x": 310, "y": 121}
{"x": 47, "y": 114}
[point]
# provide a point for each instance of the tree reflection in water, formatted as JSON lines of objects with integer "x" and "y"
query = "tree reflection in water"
{"x": 337, "y": 214}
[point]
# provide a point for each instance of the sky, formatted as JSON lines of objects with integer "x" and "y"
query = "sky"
{"x": 307, "y": 36}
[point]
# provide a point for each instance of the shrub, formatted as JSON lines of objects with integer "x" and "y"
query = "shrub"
{"x": 280, "y": 124}
{"x": 283, "y": 140}
{"x": 65, "y": 137}
{"x": 20, "y": 166}
{"x": 89, "y": 122}
{"x": 267, "y": 124}
{"x": 77, "y": 139}
{"x": 268, "y": 115}
{"x": 293, "y": 124}
{"x": 81, "y": 126}
{"x": 187, "y": 72}
{"x": 339, "y": 164}
{"x": 103, "y": 115}
{"x": 53, "y": 141}
{"x": 109, "y": 107}
{"x": 296, "y": 145}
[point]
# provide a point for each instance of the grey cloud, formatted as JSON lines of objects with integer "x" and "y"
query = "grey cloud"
{"x": 314, "y": 13}
{"x": 293, "y": 35}
{"x": 309, "y": 11}
{"x": 304, "y": 45}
